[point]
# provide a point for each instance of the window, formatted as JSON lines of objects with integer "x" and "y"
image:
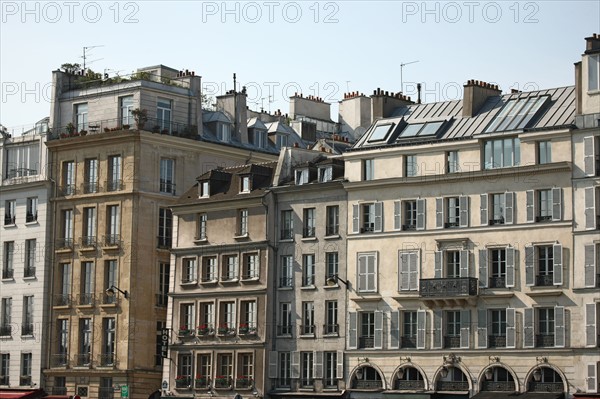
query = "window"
{"x": 67, "y": 229}
{"x": 452, "y": 336}
{"x": 285, "y": 368}
{"x": 163, "y": 114}
{"x": 544, "y": 205}
{"x": 26, "y": 360}
{"x": 30, "y": 252}
{"x": 330, "y": 374}
{"x": 285, "y": 319}
{"x": 89, "y": 227}
{"x": 106, "y": 389}
{"x": 410, "y": 166}
{"x": 186, "y": 319}
{"x": 545, "y": 336}
{"x": 87, "y": 283}
{"x": 245, "y": 372}
{"x": 259, "y": 138}
{"x": 223, "y": 132}
{"x": 368, "y": 169}
{"x": 308, "y": 318}
{"x": 60, "y": 358}
{"x": 227, "y": 318}
{"x": 60, "y": 386}
{"x": 248, "y": 317}
{"x": 230, "y": 268}
{"x": 325, "y": 174}
{"x": 367, "y": 330}
{"x": 331, "y": 318}
{"x": 8, "y": 264}
{"x": 367, "y": 272}
{"x": 251, "y": 266}
{"x": 27, "y": 326}
{"x": 10, "y": 212}
{"x": 204, "y": 189}
{"x": 114, "y": 182}
{"x": 309, "y": 222}
{"x": 502, "y": 153}
{"x": 543, "y": 265}
{"x": 206, "y": 324}
{"x": 452, "y": 212}
{"x": 5, "y": 325}
{"x": 203, "y": 370}
{"x": 164, "y": 272}
{"x": 184, "y": 370}
{"x": 301, "y": 176}
{"x": 165, "y": 222}
{"x": 544, "y": 202}
{"x": 517, "y": 113}
{"x": 287, "y": 225}
{"x": 85, "y": 342}
{"x": 368, "y": 218}
{"x": 209, "y": 269}
{"x": 409, "y": 329}
{"x": 410, "y": 215}
{"x": 544, "y": 152}
{"x": 107, "y": 357}
{"x": 452, "y": 165}
{"x": 126, "y": 110}
{"x": 4, "y": 368}
{"x": 113, "y": 226}
{"x": 90, "y": 184}
{"x": 497, "y": 268}
{"x": 167, "y": 176}
{"x": 32, "y": 210}
{"x": 286, "y": 277}
{"x": 452, "y": 264}
{"x": 245, "y": 184}
{"x": 593, "y": 72}
{"x": 201, "y": 220}
{"x": 331, "y": 264}
{"x": 242, "y": 229}
{"x": 188, "y": 270}
{"x": 497, "y": 207}
{"x": 281, "y": 140}
{"x": 110, "y": 279}
{"x": 308, "y": 270}
{"x": 497, "y": 338}
{"x": 81, "y": 112}
{"x": 306, "y": 367}
{"x": 421, "y": 129}
{"x": 68, "y": 178}
{"x": 332, "y": 227}
{"x": 64, "y": 296}
{"x": 22, "y": 160}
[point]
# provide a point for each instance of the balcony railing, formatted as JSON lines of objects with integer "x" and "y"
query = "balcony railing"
{"x": 226, "y": 330}
{"x": 247, "y": 329}
{"x": 20, "y": 172}
{"x": 107, "y": 359}
{"x": 29, "y": 272}
{"x": 452, "y": 385}
{"x": 222, "y": 382}
{"x": 284, "y": 382}
{"x": 285, "y": 282}
{"x": 545, "y": 218}
{"x": 109, "y": 299}
{"x": 496, "y": 341}
{"x": 497, "y": 282}
{"x": 499, "y": 220}
{"x": 505, "y": 386}
{"x": 162, "y": 300}
{"x": 206, "y": 330}
{"x": 307, "y": 329}
{"x": 209, "y": 277}
{"x": 25, "y": 380}
{"x": 114, "y": 185}
{"x": 285, "y": 329}
{"x": 59, "y": 390}
{"x": 366, "y": 342}
{"x": 448, "y": 287}
{"x": 243, "y": 383}
{"x": 59, "y": 360}
{"x": 9, "y": 220}
{"x": 201, "y": 383}
{"x": 307, "y": 382}
{"x": 5, "y": 330}
{"x": 410, "y": 384}
{"x": 106, "y": 393}
{"x": 330, "y": 329}
{"x": 308, "y": 232}
{"x": 62, "y": 299}
{"x": 27, "y": 329}
{"x": 544, "y": 340}
{"x": 67, "y": 189}
{"x": 89, "y": 187}
{"x": 83, "y": 359}
{"x": 409, "y": 226}
{"x": 367, "y": 384}
{"x": 287, "y": 234}
{"x": 332, "y": 230}
{"x": 86, "y": 299}
{"x": 88, "y": 241}
{"x": 546, "y": 386}
{"x": 8, "y": 273}
{"x": 451, "y": 341}
{"x": 408, "y": 342}
{"x": 64, "y": 243}
{"x": 31, "y": 217}
{"x": 112, "y": 240}
{"x": 546, "y": 280}
{"x": 167, "y": 187}
{"x": 4, "y": 380}
{"x": 164, "y": 242}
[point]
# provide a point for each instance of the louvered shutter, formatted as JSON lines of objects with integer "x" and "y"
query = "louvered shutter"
{"x": 295, "y": 372}
{"x": 557, "y": 204}
{"x": 509, "y": 208}
{"x": 420, "y": 214}
{"x": 557, "y": 264}
{"x": 483, "y": 268}
{"x": 590, "y": 266}
{"x": 591, "y": 336}
{"x": 439, "y": 213}
{"x": 465, "y": 328}
{"x": 483, "y": 210}
{"x": 362, "y": 273}
{"x": 592, "y": 377}
{"x": 340, "y": 364}
{"x": 378, "y": 217}
{"x": 463, "y": 216}
{"x": 590, "y": 209}
{"x": 589, "y": 156}
{"x": 464, "y": 263}
{"x": 421, "y": 324}
{"x": 511, "y": 331}
{"x": 395, "y": 330}
{"x": 528, "y": 328}
{"x": 355, "y": 220}
{"x": 318, "y": 368}
{"x": 352, "y": 330}
{"x": 559, "y": 327}
{"x": 482, "y": 328}
{"x": 437, "y": 266}
{"x": 378, "y": 339}
{"x": 510, "y": 267}
{"x": 397, "y": 215}
{"x": 437, "y": 329}
{"x": 413, "y": 271}
{"x": 529, "y": 262}
{"x": 404, "y": 274}
{"x": 273, "y": 364}
{"x": 530, "y": 206}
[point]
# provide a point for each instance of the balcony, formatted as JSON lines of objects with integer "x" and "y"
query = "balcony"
{"x": 367, "y": 384}
{"x": 409, "y": 227}
{"x": 112, "y": 240}
{"x": 63, "y": 244}
{"x": 83, "y": 360}
{"x": 222, "y": 382}
{"x": 106, "y": 393}
{"x": 408, "y": 342}
{"x": 67, "y": 189}
{"x": 285, "y": 329}
{"x": 451, "y": 341}
{"x": 331, "y": 329}
{"x": 88, "y": 242}
{"x": 496, "y": 341}
{"x": 497, "y": 282}
{"x": 20, "y": 172}
{"x": 167, "y": 187}
{"x": 545, "y": 386}
{"x": 25, "y": 380}
{"x": 164, "y": 242}
{"x": 27, "y": 329}
{"x": 89, "y": 187}
{"x": 5, "y": 330}
{"x": 29, "y": 272}
{"x": 410, "y": 384}
{"x": 31, "y": 217}
{"x": 307, "y": 329}
{"x": 452, "y": 386}
{"x": 546, "y": 280}
{"x": 366, "y": 342}
{"x": 162, "y": 300}
{"x": 62, "y": 300}
{"x": 107, "y": 359}
{"x": 544, "y": 340}
{"x": 308, "y": 232}
{"x": 59, "y": 360}
{"x": 86, "y": 299}
{"x": 503, "y": 386}
{"x": 8, "y": 273}
{"x": 114, "y": 185}
{"x": 9, "y": 220}
{"x": 440, "y": 292}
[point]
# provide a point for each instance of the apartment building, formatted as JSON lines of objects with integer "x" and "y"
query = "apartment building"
{"x": 117, "y": 172}
{"x": 218, "y": 325}
{"x": 26, "y": 221}
{"x": 309, "y": 276}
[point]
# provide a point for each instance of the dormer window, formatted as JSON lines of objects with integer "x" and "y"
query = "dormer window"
{"x": 259, "y": 138}
{"x": 245, "y": 184}
{"x": 224, "y": 132}
{"x": 325, "y": 174}
{"x": 204, "y": 189}
{"x": 281, "y": 140}
{"x": 301, "y": 177}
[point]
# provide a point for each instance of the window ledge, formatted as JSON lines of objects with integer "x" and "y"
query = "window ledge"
{"x": 108, "y": 305}
{"x": 285, "y": 288}
{"x": 63, "y": 250}
{"x": 332, "y": 237}
{"x": 6, "y": 280}
{"x": 30, "y": 278}
{"x": 545, "y": 291}
{"x": 308, "y": 288}
{"x": 189, "y": 283}
{"x": 200, "y": 240}
{"x": 497, "y": 292}
{"x": 230, "y": 280}
{"x": 331, "y": 287}
{"x": 34, "y": 223}
{"x": 250, "y": 279}
{"x": 286, "y": 240}
{"x": 26, "y": 335}
{"x": 332, "y": 335}
{"x": 241, "y": 236}
{"x": 215, "y": 281}
{"x": 313, "y": 238}
{"x": 91, "y": 248}
{"x": 10, "y": 226}
{"x": 365, "y": 297}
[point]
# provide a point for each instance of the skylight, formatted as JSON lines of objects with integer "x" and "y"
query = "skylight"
{"x": 516, "y": 114}
{"x": 381, "y": 132}
{"x": 421, "y": 129}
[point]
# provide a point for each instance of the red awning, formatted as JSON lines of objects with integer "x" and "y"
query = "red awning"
{"x": 21, "y": 393}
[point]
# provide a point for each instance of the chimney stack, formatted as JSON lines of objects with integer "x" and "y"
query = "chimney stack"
{"x": 384, "y": 102}
{"x": 592, "y": 44}
{"x": 474, "y": 95}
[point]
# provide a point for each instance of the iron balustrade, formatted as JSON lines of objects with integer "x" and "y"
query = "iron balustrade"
{"x": 409, "y": 227}
{"x": 496, "y": 341}
{"x": 451, "y": 341}
{"x": 287, "y": 234}
{"x": 8, "y": 273}
{"x": 448, "y": 287}
{"x": 107, "y": 359}
{"x": 545, "y": 280}
{"x": 408, "y": 342}
{"x": 285, "y": 282}
{"x": 29, "y": 272}
{"x": 544, "y": 340}
{"x": 535, "y": 386}
{"x": 27, "y": 329}
{"x": 89, "y": 187}
{"x": 367, "y": 384}
{"x": 333, "y": 230}
{"x": 493, "y": 222}
{"x": 88, "y": 241}
{"x": 366, "y": 342}
{"x": 497, "y": 282}
{"x": 243, "y": 383}
{"x": 329, "y": 329}
{"x": 114, "y": 185}
{"x": 505, "y": 386}
{"x": 112, "y": 240}
{"x": 410, "y": 384}
{"x": 20, "y": 172}
{"x": 4, "y": 380}
{"x": 308, "y": 232}
{"x": 182, "y": 382}
{"x": 62, "y": 299}
{"x": 307, "y": 329}
{"x": 31, "y": 217}
{"x": 83, "y": 359}
{"x": 546, "y": 218}
{"x": 86, "y": 299}
{"x": 9, "y": 220}
{"x": 452, "y": 386}
{"x": 59, "y": 360}
{"x": 164, "y": 242}
{"x": 25, "y": 380}
{"x": 223, "y": 382}
{"x": 167, "y": 187}
{"x": 67, "y": 189}
{"x": 5, "y": 330}
{"x": 64, "y": 243}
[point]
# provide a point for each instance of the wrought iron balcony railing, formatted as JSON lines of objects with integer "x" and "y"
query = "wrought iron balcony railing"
{"x": 5, "y": 330}
{"x": 114, "y": 185}
{"x": 88, "y": 241}
{"x": 497, "y": 282}
{"x": 448, "y": 287}
{"x": 83, "y": 359}
{"x": 64, "y": 243}
{"x": 59, "y": 359}
{"x": 452, "y": 385}
{"x": 287, "y": 234}
{"x": 330, "y": 329}
{"x": 307, "y": 329}
{"x": 62, "y": 299}
{"x": 496, "y": 341}
{"x": 367, "y": 384}
{"x": 86, "y": 299}
{"x": 451, "y": 341}
{"x": 366, "y": 342}
{"x": 410, "y": 384}
{"x": 10, "y": 220}
{"x": 27, "y": 329}
{"x": 504, "y": 386}
{"x": 31, "y": 217}
{"x": 546, "y": 386}
{"x": 90, "y": 187}
{"x": 29, "y": 272}
{"x": 112, "y": 240}
{"x": 8, "y": 273}
{"x": 107, "y": 359}
{"x": 546, "y": 280}
{"x": 544, "y": 340}
{"x": 408, "y": 342}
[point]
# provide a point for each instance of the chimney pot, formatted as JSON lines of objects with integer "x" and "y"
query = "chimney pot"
{"x": 295, "y": 145}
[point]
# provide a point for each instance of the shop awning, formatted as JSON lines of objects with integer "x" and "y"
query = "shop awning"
{"x": 542, "y": 395}
{"x": 495, "y": 395}
{"x": 21, "y": 393}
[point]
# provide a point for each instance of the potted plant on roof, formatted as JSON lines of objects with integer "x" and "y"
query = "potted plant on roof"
{"x": 141, "y": 117}
{"x": 70, "y": 128}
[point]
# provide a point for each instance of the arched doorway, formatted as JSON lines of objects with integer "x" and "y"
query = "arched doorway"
{"x": 498, "y": 379}
{"x": 409, "y": 378}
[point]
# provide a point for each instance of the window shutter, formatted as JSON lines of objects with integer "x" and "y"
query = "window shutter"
{"x": 355, "y": 218}
{"x": 589, "y": 156}
{"x": 295, "y": 372}
{"x": 529, "y": 270}
{"x": 420, "y": 214}
{"x": 556, "y": 203}
{"x": 340, "y": 364}
{"x": 378, "y": 217}
{"x": 530, "y": 206}
{"x": 590, "y": 209}
{"x": 437, "y": 266}
{"x": 352, "y": 330}
{"x": 483, "y": 268}
{"x": 591, "y": 337}
{"x": 463, "y": 215}
{"x": 465, "y": 328}
{"x": 464, "y": 263}
{"x": 439, "y": 213}
{"x": 511, "y": 332}
{"x": 404, "y": 273}
{"x": 528, "y": 328}
{"x": 483, "y": 210}
{"x": 273, "y": 364}
{"x": 421, "y": 321}
{"x": 378, "y": 339}
{"x": 362, "y": 272}
{"x": 318, "y": 369}
{"x": 592, "y": 377}
{"x": 437, "y": 329}
{"x": 509, "y": 208}
{"x": 395, "y": 330}
{"x": 557, "y": 263}
{"x": 510, "y": 267}
{"x": 413, "y": 271}
{"x": 397, "y": 213}
{"x": 590, "y": 266}
{"x": 371, "y": 273}
{"x": 482, "y": 335}
{"x": 559, "y": 326}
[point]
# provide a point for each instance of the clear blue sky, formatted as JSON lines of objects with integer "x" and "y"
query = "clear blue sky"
{"x": 280, "y": 47}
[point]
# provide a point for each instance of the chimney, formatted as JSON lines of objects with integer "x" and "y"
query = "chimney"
{"x": 383, "y": 103}
{"x": 592, "y": 44}
{"x": 474, "y": 95}
{"x": 578, "y": 85}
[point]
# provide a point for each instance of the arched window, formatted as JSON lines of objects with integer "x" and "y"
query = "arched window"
{"x": 409, "y": 378}
{"x": 497, "y": 379}
{"x": 545, "y": 379}
{"x": 366, "y": 377}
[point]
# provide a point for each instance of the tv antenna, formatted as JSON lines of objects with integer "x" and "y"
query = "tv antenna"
{"x": 347, "y": 86}
{"x": 85, "y": 54}
{"x": 402, "y": 65}
{"x": 270, "y": 101}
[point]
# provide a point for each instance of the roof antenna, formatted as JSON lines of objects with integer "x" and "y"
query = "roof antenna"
{"x": 419, "y": 93}
{"x": 402, "y": 65}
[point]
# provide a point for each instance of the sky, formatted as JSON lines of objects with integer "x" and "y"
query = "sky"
{"x": 278, "y": 48}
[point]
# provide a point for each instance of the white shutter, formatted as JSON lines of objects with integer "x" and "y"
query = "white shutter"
{"x": 590, "y": 209}
{"x": 528, "y": 328}
{"x": 378, "y": 339}
{"x": 557, "y": 263}
{"x": 394, "y": 329}
{"x": 510, "y": 267}
{"x": 463, "y": 216}
{"x": 465, "y": 329}
{"x": 511, "y": 332}
{"x": 439, "y": 213}
{"x": 397, "y": 215}
{"x": 592, "y": 377}
{"x": 413, "y": 271}
{"x": 403, "y": 272}
{"x": 590, "y": 266}
{"x": 589, "y": 156}
{"x": 530, "y": 206}
{"x": 559, "y": 327}
{"x": 437, "y": 266}
{"x": 352, "y": 330}
{"x": 483, "y": 268}
{"x": 355, "y": 220}
{"x": 318, "y": 369}
{"x": 483, "y": 210}
{"x": 295, "y": 372}
{"x": 420, "y": 214}
{"x": 340, "y": 364}
{"x": 482, "y": 328}
{"x": 464, "y": 263}
{"x": 362, "y": 273}
{"x": 509, "y": 208}
{"x": 378, "y": 217}
{"x": 421, "y": 324}
{"x": 557, "y": 204}
{"x": 273, "y": 364}
{"x": 437, "y": 329}
{"x": 529, "y": 269}
{"x": 591, "y": 332}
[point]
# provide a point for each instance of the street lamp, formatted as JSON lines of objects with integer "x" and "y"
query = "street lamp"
{"x": 333, "y": 280}
{"x": 112, "y": 290}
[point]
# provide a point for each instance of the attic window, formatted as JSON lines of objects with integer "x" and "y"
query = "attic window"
{"x": 301, "y": 177}
{"x": 245, "y": 184}
{"x": 282, "y": 140}
{"x": 421, "y": 129}
{"x": 259, "y": 138}
{"x": 205, "y": 189}
{"x": 223, "y": 132}
{"x": 516, "y": 114}
{"x": 325, "y": 174}
{"x": 381, "y": 132}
